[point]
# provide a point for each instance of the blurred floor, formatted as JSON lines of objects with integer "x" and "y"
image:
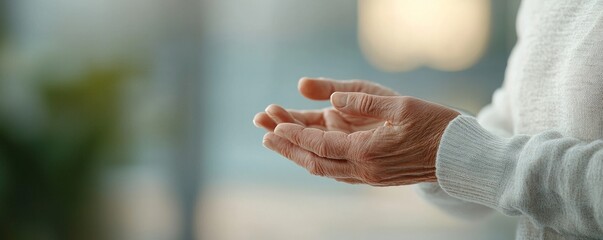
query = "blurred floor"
{"x": 252, "y": 211}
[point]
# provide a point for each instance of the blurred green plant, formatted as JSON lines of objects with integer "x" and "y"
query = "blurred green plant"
{"x": 47, "y": 176}
{"x": 3, "y": 19}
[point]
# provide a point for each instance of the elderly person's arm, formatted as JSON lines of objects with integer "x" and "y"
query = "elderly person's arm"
{"x": 551, "y": 179}
{"x": 496, "y": 118}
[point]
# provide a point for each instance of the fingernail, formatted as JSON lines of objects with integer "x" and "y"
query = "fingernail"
{"x": 339, "y": 99}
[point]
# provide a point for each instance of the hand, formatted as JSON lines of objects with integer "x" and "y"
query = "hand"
{"x": 402, "y": 151}
{"x": 325, "y": 119}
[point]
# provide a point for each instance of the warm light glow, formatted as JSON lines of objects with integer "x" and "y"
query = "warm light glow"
{"x": 399, "y": 35}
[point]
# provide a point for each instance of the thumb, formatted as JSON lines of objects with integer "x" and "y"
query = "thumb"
{"x": 366, "y": 105}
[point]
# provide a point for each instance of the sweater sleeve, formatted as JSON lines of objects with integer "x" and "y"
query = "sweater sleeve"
{"x": 496, "y": 118}
{"x": 555, "y": 181}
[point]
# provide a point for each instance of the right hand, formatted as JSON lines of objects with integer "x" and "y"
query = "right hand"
{"x": 328, "y": 119}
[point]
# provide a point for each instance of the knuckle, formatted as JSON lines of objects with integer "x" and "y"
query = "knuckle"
{"x": 408, "y": 103}
{"x": 315, "y": 169}
{"x": 365, "y": 103}
{"x": 296, "y": 136}
{"x": 322, "y": 148}
{"x": 287, "y": 152}
{"x": 406, "y": 106}
{"x": 334, "y": 145}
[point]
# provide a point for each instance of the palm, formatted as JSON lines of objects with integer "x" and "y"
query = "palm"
{"x": 335, "y": 120}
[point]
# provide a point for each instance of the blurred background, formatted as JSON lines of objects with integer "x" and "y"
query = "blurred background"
{"x": 131, "y": 119}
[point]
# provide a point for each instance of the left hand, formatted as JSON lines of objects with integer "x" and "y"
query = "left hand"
{"x": 402, "y": 151}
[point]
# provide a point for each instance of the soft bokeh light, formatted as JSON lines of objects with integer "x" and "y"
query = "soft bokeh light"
{"x": 131, "y": 119}
{"x": 400, "y": 35}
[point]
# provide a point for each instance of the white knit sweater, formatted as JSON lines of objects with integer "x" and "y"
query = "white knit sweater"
{"x": 536, "y": 151}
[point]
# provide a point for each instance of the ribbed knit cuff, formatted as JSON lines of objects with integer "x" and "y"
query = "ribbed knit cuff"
{"x": 471, "y": 162}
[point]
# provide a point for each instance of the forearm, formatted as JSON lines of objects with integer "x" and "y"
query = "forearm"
{"x": 496, "y": 118}
{"x": 555, "y": 181}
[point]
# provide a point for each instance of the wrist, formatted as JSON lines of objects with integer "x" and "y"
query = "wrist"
{"x": 437, "y": 137}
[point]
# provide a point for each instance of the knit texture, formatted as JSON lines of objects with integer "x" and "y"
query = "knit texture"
{"x": 536, "y": 151}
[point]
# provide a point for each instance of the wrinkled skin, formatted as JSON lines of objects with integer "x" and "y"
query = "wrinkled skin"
{"x": 371, "y": 135}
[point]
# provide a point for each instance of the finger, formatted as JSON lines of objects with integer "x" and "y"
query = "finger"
{"x": 280, "y": 115}
{"x": 309, "y": 118}
{"x": 366, "y": 105}
{"x": 263, "y": 120}
{"x": 335, "y": 122}
{"x": 321, "y": 88}
{"x": 314, "y": 164}
{"x": 328, "y": 144}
